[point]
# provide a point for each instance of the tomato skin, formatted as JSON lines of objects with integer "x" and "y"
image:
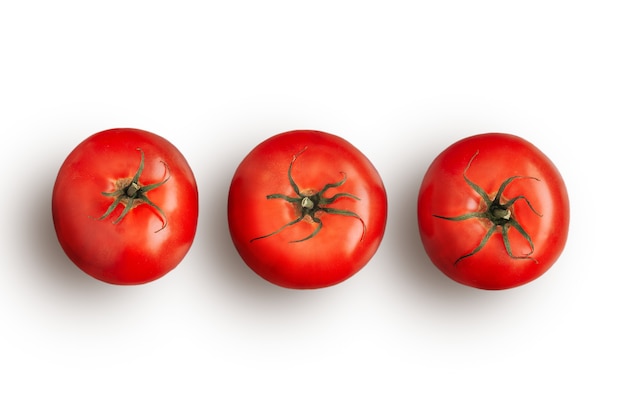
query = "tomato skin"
{"x": 445, "y": 192}
{"x": 138, "y": 249}
{"x": 343, "y": 245}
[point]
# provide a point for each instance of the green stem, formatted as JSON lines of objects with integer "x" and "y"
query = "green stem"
{"x": 498, "y": 214}
{"x": 310, "y": 204}
{"x": 134, "y": 194}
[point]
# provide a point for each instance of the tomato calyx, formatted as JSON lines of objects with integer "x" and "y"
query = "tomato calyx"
{"x": 309, "y": 203}
{"x": 131, "y": 193}
{"x": 498, "y": 214}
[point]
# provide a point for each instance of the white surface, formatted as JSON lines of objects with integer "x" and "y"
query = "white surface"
{"x": 400, "y": 80}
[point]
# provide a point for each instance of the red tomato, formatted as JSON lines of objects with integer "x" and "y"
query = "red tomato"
{"x": 306, "y": 209}
{"x": 493, "y": 211}
{"x": 125, "y": 206}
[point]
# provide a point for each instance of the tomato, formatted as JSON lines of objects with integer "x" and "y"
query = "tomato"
{"x": 306, "y": 209}
{"x": 493, "y": 211}
{"x": 125, "y": 206}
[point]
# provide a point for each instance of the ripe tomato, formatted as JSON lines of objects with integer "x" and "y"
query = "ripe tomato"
{"x": 493, "y": 211}
{"x": 125, "y": 206}
{"x": 306, "y": 209}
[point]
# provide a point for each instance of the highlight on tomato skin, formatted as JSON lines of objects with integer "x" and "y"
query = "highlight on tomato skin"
{"x": 125, "y": 206}
{"x": 306, "y": 209}
{"x": 493, "y": 211}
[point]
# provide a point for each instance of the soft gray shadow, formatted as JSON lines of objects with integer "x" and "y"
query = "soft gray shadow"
{"x": 417, "y": 276}
{"x": 230, "y": 274}
{"x": 53, "y": 266}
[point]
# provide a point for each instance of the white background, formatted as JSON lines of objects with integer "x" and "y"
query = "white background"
{"x": 401, "y": 81}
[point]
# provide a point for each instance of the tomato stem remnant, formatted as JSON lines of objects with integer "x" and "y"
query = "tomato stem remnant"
{"x": 499, "y": 214}
{"x": 310, "y": 204}
{"x": 131, "y": 193}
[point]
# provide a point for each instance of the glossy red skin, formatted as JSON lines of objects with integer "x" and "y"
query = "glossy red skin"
{"x": 132, "y": 251}
{"x": 445, "y": 192}
{"x": 340, "y": 249}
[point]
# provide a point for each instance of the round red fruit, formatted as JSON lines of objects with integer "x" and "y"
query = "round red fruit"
{"x": 493, "y": 211}
{"x": 125, "y": 206}
{"x": 306, "y": 209}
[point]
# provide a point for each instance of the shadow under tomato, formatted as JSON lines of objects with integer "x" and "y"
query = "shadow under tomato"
{"x": 223, "y": 270}
{"x": 415, "y": 267}
{"x": 417, "y": 275}
{"x": 50, "y": 264}
{"x": 221, "y": 262}
{"x": 423, "y": 290}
